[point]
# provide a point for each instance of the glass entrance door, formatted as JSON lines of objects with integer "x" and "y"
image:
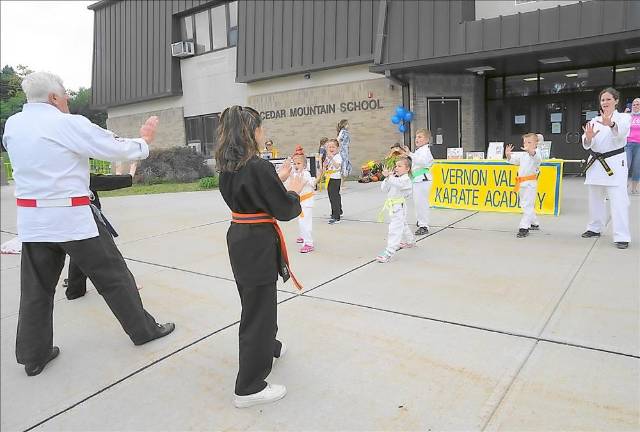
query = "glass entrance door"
{"x": 561, "y": 118}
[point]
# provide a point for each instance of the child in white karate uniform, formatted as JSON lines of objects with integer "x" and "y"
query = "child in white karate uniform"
{"x": 421, "y": 161}
{"x": 398, "y": 187}
{"x": 305, "y": 220}
{"x": 527, "y": 182}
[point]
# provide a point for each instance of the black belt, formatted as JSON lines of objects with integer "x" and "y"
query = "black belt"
{"x": 595, "y": 156}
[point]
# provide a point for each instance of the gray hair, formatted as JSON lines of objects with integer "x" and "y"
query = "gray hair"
{"x": 38, "y": 85}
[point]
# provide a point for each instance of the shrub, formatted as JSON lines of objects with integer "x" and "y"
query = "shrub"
{"x": 176, "y": 164}
{"x": 208, "y": 182}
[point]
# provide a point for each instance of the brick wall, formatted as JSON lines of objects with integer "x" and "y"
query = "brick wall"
{"x": 371, "y": 130}
{"x": 469, "y": 88}
{"x": 170, "y": 131}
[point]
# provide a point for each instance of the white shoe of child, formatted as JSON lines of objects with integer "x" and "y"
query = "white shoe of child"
{"x": 283, "y": 350}
{"x": 271, "y": 393}
{"x": 383, "y": 257}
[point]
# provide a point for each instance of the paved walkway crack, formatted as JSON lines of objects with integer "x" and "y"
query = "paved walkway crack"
{"x": 539, "y": 339}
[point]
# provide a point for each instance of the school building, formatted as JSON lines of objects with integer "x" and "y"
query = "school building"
{"x": 471, "y": 71}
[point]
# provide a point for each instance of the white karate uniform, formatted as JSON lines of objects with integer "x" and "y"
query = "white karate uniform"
{"x": 305, "y": 221}
{"x": 398, "y": 187}
{"x": 422, "y": 158}
{"x": 49, "y": 152}
{"x": 602, "y": 185}
{"x": 528, "y": 165}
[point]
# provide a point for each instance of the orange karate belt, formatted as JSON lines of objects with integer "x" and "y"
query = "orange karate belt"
{"x": 524, "y": 179}
{"x": 256, "y": 218}
{"x": 304, "y": 198}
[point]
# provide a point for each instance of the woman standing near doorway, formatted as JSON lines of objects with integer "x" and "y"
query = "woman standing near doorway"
{"x": 633, "y": 148}
{"x": 605, "y": 137}
{"x": 344, "y": 138}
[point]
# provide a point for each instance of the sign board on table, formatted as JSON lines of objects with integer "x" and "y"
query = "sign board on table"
{"x": 496, "y": 150}
{"x": 454, "y": 153}
{"x": 489, "y": 186}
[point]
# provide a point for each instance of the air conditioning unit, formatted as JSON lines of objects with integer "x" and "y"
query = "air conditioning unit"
{"x": 182, "y": 49}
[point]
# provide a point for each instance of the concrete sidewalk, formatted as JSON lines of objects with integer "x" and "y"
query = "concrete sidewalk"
{"x": 472, "y": 330}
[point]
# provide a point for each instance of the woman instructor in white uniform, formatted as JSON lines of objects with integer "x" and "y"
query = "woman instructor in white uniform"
{"x": 605, "y": 138}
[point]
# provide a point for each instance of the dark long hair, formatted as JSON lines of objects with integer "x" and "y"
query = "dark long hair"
{"x": 341, "y": 124}
{"x": 237, "y": 137}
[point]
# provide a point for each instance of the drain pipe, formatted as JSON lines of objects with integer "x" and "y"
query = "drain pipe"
{"x": 406, "y": 102}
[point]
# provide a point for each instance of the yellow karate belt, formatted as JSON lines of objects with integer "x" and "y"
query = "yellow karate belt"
{"x": 388, "y": 206}
{"x": 524, "y": 179}
{"x": 327, "y": 177}
{"x": 304, "y": 198}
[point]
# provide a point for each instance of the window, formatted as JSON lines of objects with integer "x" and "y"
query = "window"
{"x": 203, "y": 37}
{"x": 212, "y": 29}
{"x": 521, "y": 85}
{"x": 201, "y": 133}
{"x": 219, "y": 26}
{"x": 233, "y": 23}
{"x": 572, "y": 81}
{"x": 628, "y": 75}
{"x": 186, "y": 29}
{"x": 494, "y": 88}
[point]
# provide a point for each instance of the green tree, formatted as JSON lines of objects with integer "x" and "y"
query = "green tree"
{"x": 80, "y": 103}
{"x": 11, "y": 95}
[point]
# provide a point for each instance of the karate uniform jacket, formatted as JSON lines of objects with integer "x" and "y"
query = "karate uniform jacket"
{"x": 254, "y": 249}
{"x": 421, "y": 158}
{"x": 397, "y": 187}
{"x": 606, "y": 141}
{"x": 49, "y": 152}
{"x": 527, "y": 165}
{"x": 309, "y": 186}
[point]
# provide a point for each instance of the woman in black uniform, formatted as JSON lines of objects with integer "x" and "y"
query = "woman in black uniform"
{"x": 256, "y": 196}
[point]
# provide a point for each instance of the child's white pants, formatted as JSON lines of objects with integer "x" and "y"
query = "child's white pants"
{"x": 527, "y": 204}
{"x": 305, "y": 224}
{"x": 398, "y": 229}
{"x": 619, "y": 203}
{"x": 421, "y": 202}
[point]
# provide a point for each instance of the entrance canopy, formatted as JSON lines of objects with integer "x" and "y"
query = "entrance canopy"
{"x": 417, "y": 37}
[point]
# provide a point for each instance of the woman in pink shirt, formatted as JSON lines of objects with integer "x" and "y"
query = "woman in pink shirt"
{"x": 633, "y": 148}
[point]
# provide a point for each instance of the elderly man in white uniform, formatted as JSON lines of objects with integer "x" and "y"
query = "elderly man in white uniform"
{"x": 49, "y": 151}
{"x": 605, "y": 136}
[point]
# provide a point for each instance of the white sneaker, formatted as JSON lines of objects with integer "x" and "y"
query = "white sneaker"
{"x": 271, "y": 393}
{"x": 283, "y": 350}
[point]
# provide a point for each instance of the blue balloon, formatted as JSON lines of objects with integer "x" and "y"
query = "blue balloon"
{"x": 395, "y": 119}
{"x": 408, "y": 116}
{"x": 400, "y": 111}
{"x": 402, "y": 128}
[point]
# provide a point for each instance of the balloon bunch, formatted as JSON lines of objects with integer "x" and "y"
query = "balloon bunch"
{"x": 401, "y": 117}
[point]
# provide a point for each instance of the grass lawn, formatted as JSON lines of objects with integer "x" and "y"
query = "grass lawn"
{"x": 142, "y": 189}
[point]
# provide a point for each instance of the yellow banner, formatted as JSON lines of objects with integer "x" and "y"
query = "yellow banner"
{"x": 489, "y": 186}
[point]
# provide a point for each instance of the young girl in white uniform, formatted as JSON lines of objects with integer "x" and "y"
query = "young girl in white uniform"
{"x": 398, "y": 187}
{"x": 305, "y": 220}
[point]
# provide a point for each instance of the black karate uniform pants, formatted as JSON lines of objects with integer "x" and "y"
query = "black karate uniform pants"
{"x": 76, "y": 282}
{"x": 101, "y": 261}
{"x": 333, "y": 189}
{"x": 257, "y": 335}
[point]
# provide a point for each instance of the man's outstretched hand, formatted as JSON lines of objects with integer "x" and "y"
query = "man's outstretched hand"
{"x": 148, "y": 129}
